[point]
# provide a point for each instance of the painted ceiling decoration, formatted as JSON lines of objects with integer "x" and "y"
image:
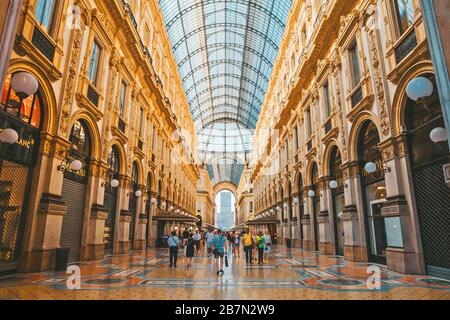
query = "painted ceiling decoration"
{"x": 225, "y": 50}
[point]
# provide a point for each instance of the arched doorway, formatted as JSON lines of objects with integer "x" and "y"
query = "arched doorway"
{"x": 431, "y": 192}
{"x": 338, "y": 199}
{"x": 110, "y": 200}
{"x": 290, "y": 201}
{"x": 374, "y": 192}
{"x": 132, "y": 206}
{"x": 225, "y": 210}
{"x": 16, "y": 168}
{"x": 315, "y": 204}
{"x": 74, "y": 189}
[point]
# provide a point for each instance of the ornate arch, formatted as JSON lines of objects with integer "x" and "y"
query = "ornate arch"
{"x": 122, "y": 155}
{"x": 354, "y": 132}
{"x": 398, "y": 105}
{"x": 140, "y": 170}
{"x": 50, "y": 124}
{"x": 307, "y": 181}
{"x": 91, "y": 125}
{"x": 331, "y": 145}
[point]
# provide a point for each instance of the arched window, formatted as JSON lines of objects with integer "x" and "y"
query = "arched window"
{"x": 135, "y": 176}
{"x": 29, "y": 111}
{"x": 80, "y": 149}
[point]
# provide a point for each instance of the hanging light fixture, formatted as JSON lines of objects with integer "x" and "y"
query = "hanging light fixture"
{"x": 370, "y": 167}
{"x": 24, "y": 84}
{"x": 9, "y": 136}
{"x": 114, "y": 183}
{"x": 333, "y": 184}
{"x": 438, "y": 134}
{"x": 76, "y": 165}
{"x": 419, "y": 88}
{"x": 311, "y": 193}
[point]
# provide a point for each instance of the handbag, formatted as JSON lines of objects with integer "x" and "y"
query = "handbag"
{"x": 226, "y": 261}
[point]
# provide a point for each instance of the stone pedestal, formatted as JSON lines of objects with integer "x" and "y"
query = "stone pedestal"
{"x": 141, "y": 238}
{"x": 123, "y": 237}
{"x": 95, "y": 248}
{"x": 325, "y": 245}
{"x": 308, "y": 242}
{"x": 48, "y": 234}
{"x": 353, "y": 250}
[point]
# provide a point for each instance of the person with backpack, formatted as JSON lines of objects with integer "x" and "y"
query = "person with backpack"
{"x": 220, "y": 247}
{"x": 173, "y": 243}
{"x": 260, "y": 244}
{"x": 247, "y": 241}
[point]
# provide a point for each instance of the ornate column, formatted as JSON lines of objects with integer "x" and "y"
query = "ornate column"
{"x": 402, "y": 252}
{"x": 123, "y": 229}
{"x": 325, "y": 243}
{"x": 308, "y": 240}
{"x": 353, "y": 247}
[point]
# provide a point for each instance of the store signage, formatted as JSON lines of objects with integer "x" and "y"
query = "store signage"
{"x": 25, "y": 149}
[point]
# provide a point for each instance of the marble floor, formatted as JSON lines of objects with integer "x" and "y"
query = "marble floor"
{"x": 287, "y": 274}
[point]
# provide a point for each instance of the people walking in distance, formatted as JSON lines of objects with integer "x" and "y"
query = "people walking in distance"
{"x": 236, "y": 243}
{"x": 185, "y": 239}
{"x": 248, "y": 246}
{"x": 260, "y": 244}
{"x": 190, "y": 248}
{"x": 197, "y": 238}
{"x": 209, "y": 241}
{"x": 173, "y": 243}
{"x": 220, "y": 247}
{"x": 268, "y": 242}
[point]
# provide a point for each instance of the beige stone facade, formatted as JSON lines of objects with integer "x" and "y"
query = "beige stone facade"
{"x": 338, "y": 87}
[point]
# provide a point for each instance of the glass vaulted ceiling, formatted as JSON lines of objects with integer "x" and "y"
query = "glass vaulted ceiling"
{"x": 225, "y": 50}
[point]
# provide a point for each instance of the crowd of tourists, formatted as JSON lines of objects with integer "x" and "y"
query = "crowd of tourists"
{"x": 219, "y": 245}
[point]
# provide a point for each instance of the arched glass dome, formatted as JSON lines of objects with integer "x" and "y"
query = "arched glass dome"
{"x": 225, "y": 50}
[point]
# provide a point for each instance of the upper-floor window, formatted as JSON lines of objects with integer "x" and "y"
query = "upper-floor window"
{"x": 44, "y": 12}
{"x": 308, "y": 123}
{"x": 123, "y": 90}
{"x": 405, "y": 14}
{"x": 327, "y": 99}
{"x": 94, "y": 62}
{"x": 287, "y": 149}
{"x": 141, "y": 116}
{"x": 296, "y": 137}
{"x": 355, "y": 69}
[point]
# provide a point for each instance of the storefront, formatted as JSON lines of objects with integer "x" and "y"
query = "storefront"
{"x": 432, "y": 194}
{"x": 265, "y": 224}
{"x": 74, "y": 189}
{"x": 168, "y": 222}
{"x": 337, "y": 193}
{"x": 374, "y": 191}
{"x": 20, "y": 119}
{"x": 111, "y": 195}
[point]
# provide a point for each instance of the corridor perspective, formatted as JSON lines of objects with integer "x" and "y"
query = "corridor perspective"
{"x": 224, "y": 149}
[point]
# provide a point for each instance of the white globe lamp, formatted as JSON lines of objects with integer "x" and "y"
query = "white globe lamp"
{"x": 333, "y": 184}
{"x": 311, "y": 193}
{"x": 138, "y": 193}
{"x": 24, "y": 84}
{"x": 438, "y": 134}
{"x": 370, "y": 167}
{"x": 418, "y": 88}
{"x": 114, "y": 183}
{"x": 76, "y": 165}
{"x": 9, "y": 136}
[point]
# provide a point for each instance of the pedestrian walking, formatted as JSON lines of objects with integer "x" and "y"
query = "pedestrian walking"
{"x": 190, "y": 248}
{"x": 220, "y": 247}
{"x": 248, "y": 246}
{"x": 209, "y": 242}
{"x": 173, "y": 243}
{"x": 260, "y": 244}
{"x": 197, "y": 238}
{"x": 268, "y": 242}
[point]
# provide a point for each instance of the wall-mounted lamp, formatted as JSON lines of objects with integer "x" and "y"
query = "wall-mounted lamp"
{"x": 9, "y": 136}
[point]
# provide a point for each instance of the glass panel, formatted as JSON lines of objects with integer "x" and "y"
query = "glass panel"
{"x": 44, "y": 12}
{"x": 405, "y": 14}
{"x": 93, "y": 62}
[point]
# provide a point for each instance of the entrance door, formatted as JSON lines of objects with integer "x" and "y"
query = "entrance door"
{"x": 377, "y": 232}
{"x": 111, "y": 207}
{"x": 73, "y": 193}
{"x": 338, "y": 203}
{"x": 316, "y": 210}
{"x": 132, "y": 207}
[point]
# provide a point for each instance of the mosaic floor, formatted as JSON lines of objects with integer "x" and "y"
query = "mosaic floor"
{"x": 287, "y": 274}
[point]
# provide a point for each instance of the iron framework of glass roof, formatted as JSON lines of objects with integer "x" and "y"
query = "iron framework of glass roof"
{"x": 225, "y": 50}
